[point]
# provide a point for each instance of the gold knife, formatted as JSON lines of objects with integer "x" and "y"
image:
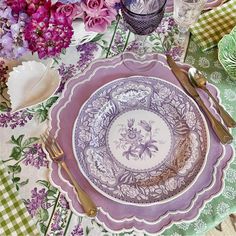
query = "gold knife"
{"x": 221, "y": 132}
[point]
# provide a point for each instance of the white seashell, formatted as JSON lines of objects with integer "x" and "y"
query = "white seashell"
{"x": 31, "y": 83}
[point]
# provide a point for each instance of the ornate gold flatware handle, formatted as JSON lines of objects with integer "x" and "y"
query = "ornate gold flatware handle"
{"x": 86, "y": 202}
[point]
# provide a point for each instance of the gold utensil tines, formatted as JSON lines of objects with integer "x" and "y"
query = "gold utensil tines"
{"x": 57, "y": 155}
{"x": 221, "y": 132}
{"x": 199, "y": 81}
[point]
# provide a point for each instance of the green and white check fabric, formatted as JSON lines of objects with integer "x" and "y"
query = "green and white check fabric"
{"x": 14, "y": 218}
{"x": 213, "y": 25}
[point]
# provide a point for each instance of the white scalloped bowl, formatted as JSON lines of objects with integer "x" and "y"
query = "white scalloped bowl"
{"x": 31, "y": 83}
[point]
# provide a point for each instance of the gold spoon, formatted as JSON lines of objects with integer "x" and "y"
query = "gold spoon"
{"x": 198, "y": 79}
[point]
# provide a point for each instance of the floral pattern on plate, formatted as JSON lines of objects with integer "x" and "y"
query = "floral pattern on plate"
{"x": 140, "y": 140}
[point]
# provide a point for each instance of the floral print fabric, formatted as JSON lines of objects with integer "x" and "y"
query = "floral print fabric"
{"x": 26, "y": 161}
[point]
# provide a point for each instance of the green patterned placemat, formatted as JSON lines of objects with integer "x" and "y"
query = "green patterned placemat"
{"x": 14, "y": 218}
{"x": 214, "y": 24}
{"x": 220, "y": 207}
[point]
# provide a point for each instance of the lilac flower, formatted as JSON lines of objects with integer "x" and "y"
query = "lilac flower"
{"x": 171, "y": 23}
{"x": 63, "y": 202}
{"x": 12, "y": 41}
{"x": 59, "y": 220}
{"x": 167, "y": 31}
{"x": 56, "y": 223}
{"x": 36, "y": 157}
{"x": 175, "y": 52}
{"x": 133, "y": 46}
{"x": 38, "y": 200}
{"x": 160, "y": 29}
{"x": 166, "y": 25}
{"x": 119, "y": 43}
{"x": 77, "y": 231}
{"x": 118, "y": 39}
{"x": 86, "y": 54}
{"x": 16, "y": 119}
{"x": 66, "y": 73}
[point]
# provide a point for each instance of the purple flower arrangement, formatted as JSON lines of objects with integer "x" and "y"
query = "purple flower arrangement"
{"x": 12, "y": 40}
{"x": 43, "y": 27}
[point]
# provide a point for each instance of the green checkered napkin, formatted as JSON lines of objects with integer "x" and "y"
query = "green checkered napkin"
{"x": 214, "y": 24}
{"x": 14, "y": 218}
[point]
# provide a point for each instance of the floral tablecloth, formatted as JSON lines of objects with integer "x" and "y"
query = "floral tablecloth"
{"x": 26, "y": 161}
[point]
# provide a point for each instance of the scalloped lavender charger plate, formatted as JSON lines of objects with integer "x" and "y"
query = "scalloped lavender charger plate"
{"x": 122, "y": 215}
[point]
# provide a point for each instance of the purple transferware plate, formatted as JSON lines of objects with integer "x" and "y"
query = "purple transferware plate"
{"x": 140, "y": 140}
{"x": 113, "y": 215}
{"x": 210, "y": 4}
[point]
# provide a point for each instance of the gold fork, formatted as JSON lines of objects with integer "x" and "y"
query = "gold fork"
{"x": 57, "y": 155}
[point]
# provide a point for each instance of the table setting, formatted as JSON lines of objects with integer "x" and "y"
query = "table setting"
{"x": 117, "y": 117}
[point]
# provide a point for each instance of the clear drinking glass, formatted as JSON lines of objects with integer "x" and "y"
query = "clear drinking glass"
{"x": 142, "y": 17}
{"x": 186, "y": 13}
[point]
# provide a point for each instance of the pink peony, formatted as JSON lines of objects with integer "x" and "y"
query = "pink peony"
{"x": 97, "y": 16}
